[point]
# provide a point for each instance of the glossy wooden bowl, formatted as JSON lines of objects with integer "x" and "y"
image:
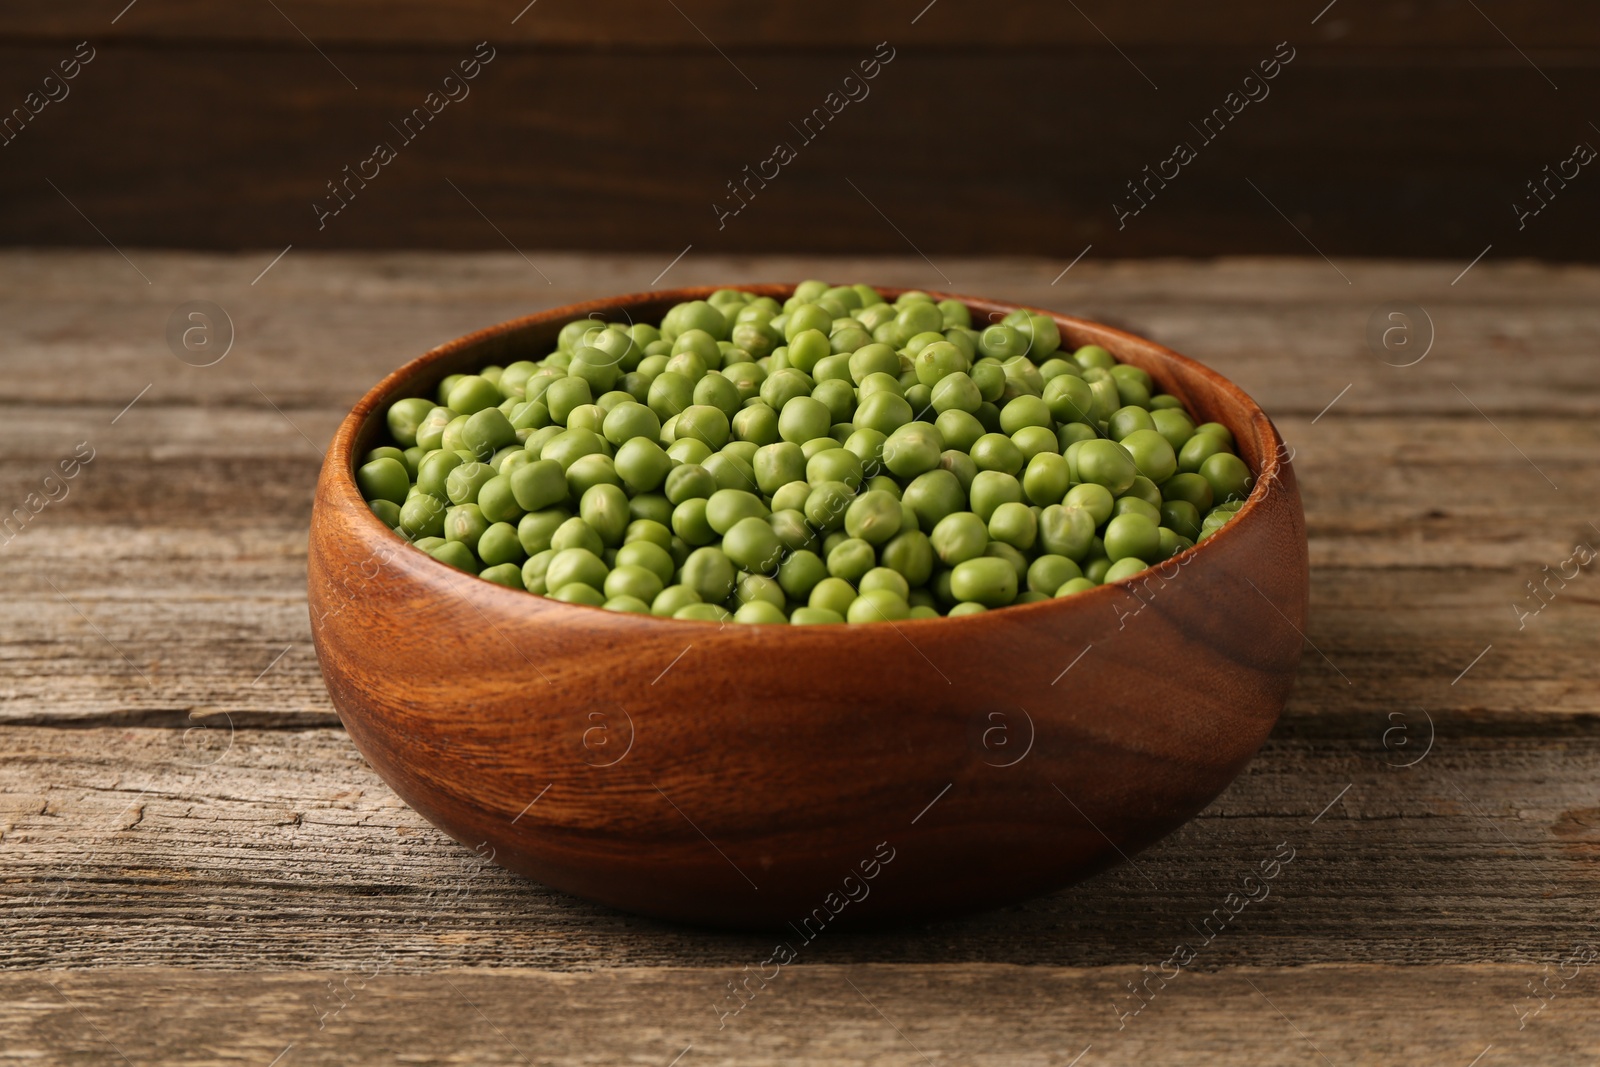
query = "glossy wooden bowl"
{"x": 810, "y": 776}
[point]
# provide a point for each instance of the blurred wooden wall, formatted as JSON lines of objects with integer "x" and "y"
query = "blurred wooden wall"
{"x": 1401, "y": 127}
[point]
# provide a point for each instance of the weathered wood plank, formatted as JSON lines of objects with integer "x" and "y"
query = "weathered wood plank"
{"x": 281, "y": 849}
{"x": 319, "y": 329}
{"x": 989, "y": 1015}
{"x": 183, "y": 540}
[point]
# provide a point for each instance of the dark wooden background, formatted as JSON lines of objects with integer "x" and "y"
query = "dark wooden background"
{"x": 1402, "y": 128}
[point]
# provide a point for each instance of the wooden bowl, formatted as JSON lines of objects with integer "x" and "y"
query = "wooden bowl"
{"x": 808, "y": 776}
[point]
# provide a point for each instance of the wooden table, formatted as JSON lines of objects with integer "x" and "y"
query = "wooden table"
{"x": 199, "y": 869}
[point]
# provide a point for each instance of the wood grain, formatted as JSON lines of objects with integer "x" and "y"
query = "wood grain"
{"x": 989, "y": 1015}
{"x": 567, "y": 148}
{"x": 1389, "y": 605}
{"x": 202, "y": 921}
{"x": 281, "y": 849}
{"x": 967, "y": 24}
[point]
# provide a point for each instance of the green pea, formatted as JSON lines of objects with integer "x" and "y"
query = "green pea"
{"x": 1190, "y": 487}
{"x": 1066, "y": 531}
{"x": 1047, "y": 479}
{"x": 1048, "y": 573}
{"x": 473, "y": 393}
{"x": 1152, "y": 454}
{"x": 535, "y": 529}
{"x": 1013, "y": 556}
{"x": 792, "y": 530}
{"x": 990, "y": 489}
{"x": 430, "y": 432}
{"x": 673, "y": 599}
{"x": 756, "y": 423}
{"x": 956, "y": 392}
{"x": 758, "y": 612}
{"x": 388, "y": 512}
{"x": 913, "y": 449}
{"x": 1035, "y": 440}
{"x": 1217, "y": 430}
{"x": 1132, "y": 536}
{"x": 384, "y": 479}
{"x": 834, "y": 465}
{"x": 605, "y": 508}
{"x": 809, "y": 616}
{"x": 1108, "y": 464}
{"x": 591, "y": 470}
{"x": 500, "y": 544}
{"x": 958, "y": 537}
{"x": 688, "y": 482}
{"x": 455, "y": 554}
{"x": 1132, "y": 505}
{"x": 799, "y": 572}
{"x": 958, "y": 429}
{"x": 878, "y": 605}
{"x": 653, "y": 506}
{"x": 1199, "y": 448}
{"x": 827, "y": 503}
{"x": 576, "y": 533}
{"x": 873, "y": 517}
{"x": 730, "y": 471}
{"x": 575, "y": 565}
{"x": 936, "y": 358}
{"x": 704, "y": 423}
{"x": 579, "y": 593}
{"x": 497, "y": 502}
{"x": 997, "y": 452}
{"x": 1014, "y": 524}
{"x": 832, "y": 594}
{"x": 791, "y": 496}
{"x": 638, "y": 582}
{"x": 933, "y": 495}
{"x": 669, "y": 394}
{"x": 851, "y": 558}
{"x": 959, "y": 464}
{"x": 985, "y": 580}
{"x": 883, "y": 411}
{"x": 803, "y": 419}
{"x": 630, "y": 604}
{"x": 569, "y": 446}
{"x": 955, "y": 313}
{"x": 488, "y": 431}
{"x": 464, "y": 481}
{"x": 405, "y": 418}
{"x": 647, "y": 555}
{"x": 726, "y": 507}
{"x": 642, "y": 465}
{"x": 690, "y": 523}
{"x": 752, "y": 545}
{"x": 1227, "y": 474}
{"x": 709, "y": 572}
{"x": 1174, "y": 424}
{"x": 839, "y": 398}
{"x": 910, "y": 554}
{"x": 1126, "y": 567}
{"x": 464, "y": 523}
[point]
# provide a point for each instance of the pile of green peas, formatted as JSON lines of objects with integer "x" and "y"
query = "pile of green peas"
{"x": 834, "y": 458}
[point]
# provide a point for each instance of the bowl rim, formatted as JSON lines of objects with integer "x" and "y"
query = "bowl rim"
{"x": 346, "y": 495}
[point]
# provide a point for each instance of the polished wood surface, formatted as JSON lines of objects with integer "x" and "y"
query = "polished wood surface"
{"x": 732, "y": 775}
{"x": 201, "y": 864}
